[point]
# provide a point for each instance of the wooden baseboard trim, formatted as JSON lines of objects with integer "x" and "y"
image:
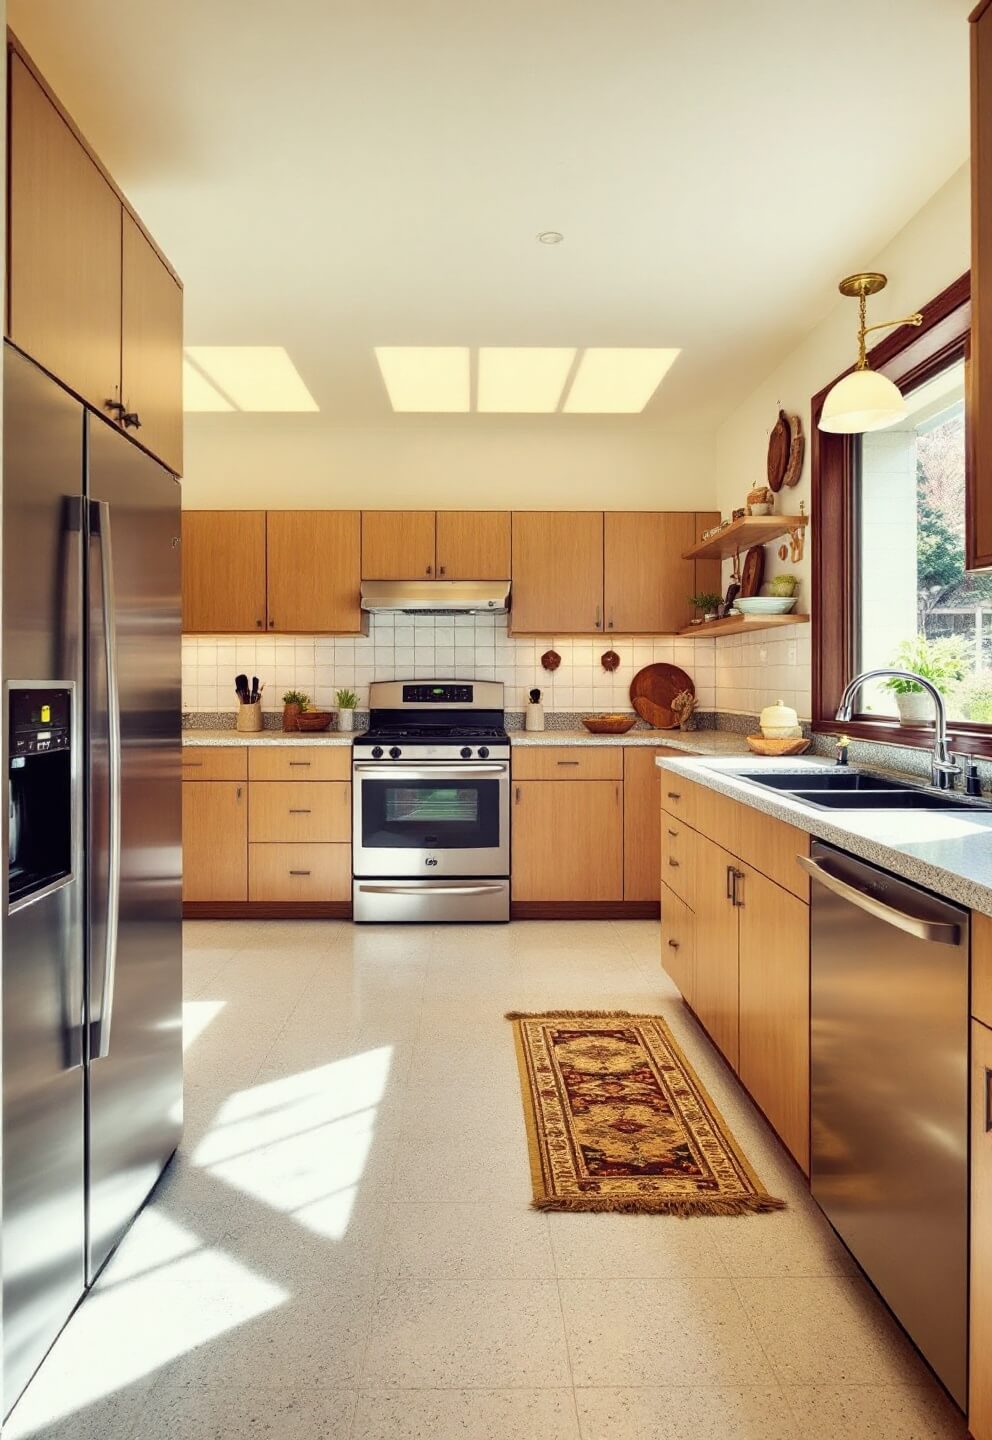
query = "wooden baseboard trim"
{"x": 266, "y": 910}
{"x": 584, "y": 909}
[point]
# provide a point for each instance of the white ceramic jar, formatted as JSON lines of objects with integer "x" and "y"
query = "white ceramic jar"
{"x": 779, "y": 722}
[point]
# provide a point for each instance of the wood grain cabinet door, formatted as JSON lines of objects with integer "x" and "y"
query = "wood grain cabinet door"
{"x": 473, "y": 544}
{"x": 557, "y": 572}
{"x": 774, "y": 1007}
{"x": 642, "y": 821}
{"x": 678, "y": 943}
{"x": 567, "y": 840}
{"x": 215, "y": 840}
{"x": 398, "y": 545}
{"x": 980, "y": 1379}
{"x": 151, "y": 348}
{"x": 647, "y": 583}
{"x": 223, "y": 572}
{"x": 64, "y": 280}
{"x": 313, "y": 561}
{"x": 716, "y": 970}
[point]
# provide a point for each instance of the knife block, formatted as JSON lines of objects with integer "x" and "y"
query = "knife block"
{"x": 249, "y": 717}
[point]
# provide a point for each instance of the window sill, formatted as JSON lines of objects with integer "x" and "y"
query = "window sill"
{"x": 960, "y": 738}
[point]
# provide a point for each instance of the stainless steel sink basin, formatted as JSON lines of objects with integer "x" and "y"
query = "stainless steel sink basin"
{"x": 839, "y": 779}
{"x": 855, "y": 790}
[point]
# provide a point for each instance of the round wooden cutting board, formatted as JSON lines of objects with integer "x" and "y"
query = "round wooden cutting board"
{"x": 779, "y": 445}
{"x": 752, "y": 571}
{"x": 652, "y": 691}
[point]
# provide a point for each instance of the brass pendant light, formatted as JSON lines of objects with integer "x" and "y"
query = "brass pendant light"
{"x": 864, "y": 400}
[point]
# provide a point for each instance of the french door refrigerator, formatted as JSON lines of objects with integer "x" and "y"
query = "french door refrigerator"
{"x": 92, "y": 955}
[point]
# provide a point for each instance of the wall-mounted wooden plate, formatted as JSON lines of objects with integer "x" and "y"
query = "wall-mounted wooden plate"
{"x": 652, "y": 691}
{"x": 779, "y": 445}
{"x": 752, "y": 571}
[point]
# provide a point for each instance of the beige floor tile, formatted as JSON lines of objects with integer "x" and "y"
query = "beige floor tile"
{"x": 450, "y": 1112}
{"x": 633, "y": 1247}
{"x": 281, "y": 1411}
{"x": 782, "y": 1243}
{"x": 660, "y": 1332}
{"x": 470, "y": 1168}
{"x": 466, "y": 1242}
{"x": 875, "y": 1412}
{"x": 495, "y": 1334}
{"x": 680, "y": 1412}
{"x": 466, "y": 1415}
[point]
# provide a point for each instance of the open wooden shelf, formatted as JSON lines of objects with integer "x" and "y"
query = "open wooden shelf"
{"x": 735, "y": 624}
{"x": 742, "y": 534}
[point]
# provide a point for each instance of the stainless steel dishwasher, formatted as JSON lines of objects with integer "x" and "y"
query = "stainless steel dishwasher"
{"x": 889, "y": 1091}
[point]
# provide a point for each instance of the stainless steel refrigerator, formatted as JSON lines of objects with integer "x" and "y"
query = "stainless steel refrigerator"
{"x": 92, "y": 950}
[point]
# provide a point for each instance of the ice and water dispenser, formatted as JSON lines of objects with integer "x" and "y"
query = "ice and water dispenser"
{"x": 39, "y": 799}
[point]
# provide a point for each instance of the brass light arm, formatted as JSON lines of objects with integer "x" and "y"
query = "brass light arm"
{"x": 916, "y": 319}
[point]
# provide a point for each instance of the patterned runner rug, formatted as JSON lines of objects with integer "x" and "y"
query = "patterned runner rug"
{"x": 617, "y": 1120}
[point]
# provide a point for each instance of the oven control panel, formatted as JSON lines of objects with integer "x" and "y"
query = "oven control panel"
{"x": 437, "y": 694}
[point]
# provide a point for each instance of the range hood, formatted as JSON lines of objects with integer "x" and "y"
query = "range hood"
{"x": 437, "y": 597}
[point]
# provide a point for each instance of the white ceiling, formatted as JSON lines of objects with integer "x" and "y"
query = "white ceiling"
{"x": 332, "y": 175}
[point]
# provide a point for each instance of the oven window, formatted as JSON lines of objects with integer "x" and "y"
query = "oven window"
{"x": 430, "y": 815}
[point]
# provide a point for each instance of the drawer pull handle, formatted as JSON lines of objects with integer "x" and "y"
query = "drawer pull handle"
{"x": 192, "y": 764}
{"x": 674, "y": 944}
{"x": 299, "y": 872}
{"x": 674, "y": 794}
{"x": 568, "y": 762}
{"x": 300, "y": 812}
{"x": 299, "y": 764}
{"x": 988, "y": 1099}
{"x": 674, "y": 834}
{"x": 673, "y": 863}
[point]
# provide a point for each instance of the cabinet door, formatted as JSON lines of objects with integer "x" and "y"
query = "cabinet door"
{"x": 642, "y": 820}
{"x": 557, "y": 572}
{"x": 397, "y": 544}
{"x": 978, "y": 523}
{"x": 223, "y": 572}
{"x": 707, "y": 574}
{"x": 152, "y": 348}
{"x": 774, "y": 1006}
{"x": 313, "y": 562}
{"x": 716, "y": 974}
{"x": 473, "y": 544}
{"x": 215, "y": 840}
{"x": 64, "y": 282}
{"x": 980, "y": 1381}
{"x": 647, "y": 583}
{"x": 567, "y": 840}
{"x": 678, "y": 943}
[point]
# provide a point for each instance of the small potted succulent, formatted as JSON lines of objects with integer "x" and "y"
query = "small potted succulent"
{"x": 783, "y": 585}
{"x": 294, "y": 704}
{"x": 707, "y": 603}
{"x": 942, "y": 662}
{"x": 347, "y": 703}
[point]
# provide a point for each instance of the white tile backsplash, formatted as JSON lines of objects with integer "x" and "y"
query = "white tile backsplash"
{"x": 752, "y": 671}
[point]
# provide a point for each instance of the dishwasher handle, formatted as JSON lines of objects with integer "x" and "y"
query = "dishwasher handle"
{"x": 942, "y": 932}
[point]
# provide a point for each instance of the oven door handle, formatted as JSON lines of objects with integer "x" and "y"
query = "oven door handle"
{"x": 419, "y": 887}
{"x": 438, "y": 772}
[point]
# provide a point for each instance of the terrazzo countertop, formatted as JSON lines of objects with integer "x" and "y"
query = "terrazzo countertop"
{"x": 267, "y": 737}
{"x": 948, "y": 851}
{"x": 698, "y": 742}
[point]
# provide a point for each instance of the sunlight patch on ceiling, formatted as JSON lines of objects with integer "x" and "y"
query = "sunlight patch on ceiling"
{"x": 617, "y": 381}
{"x": 246, "y": 377}
{"x": 433, "y": 378}
{"x": 522, "y": 381}
{"x": 199, "y": 396}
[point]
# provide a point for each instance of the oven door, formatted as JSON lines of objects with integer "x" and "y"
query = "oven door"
{"x": 433, "y": 818}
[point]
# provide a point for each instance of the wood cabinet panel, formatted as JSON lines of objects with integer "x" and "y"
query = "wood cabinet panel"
{"x": 313, "y": 571}
{"x": 716, "y": 981}
{"x": 473, "y": 544}
{"x": 771, "y": 846}
{"x": 301, "y": 873}
{"x": 567, "y": 840}
{"x": 708, "y": 574}
{"x": 718, "y": 817}
{"x": 215, "y": 840}
{"x": 397, "y": 544}
{"x": 678, "y": 943}
{"x": 641, "y": 822}
{"x": 978, "y": 524}
{"x": 299, "y": 811}
{"x": 646, "y": 581}
{"x": 774, "y": 1006}
{"x": 64, "y": 281}
{"x": 678, "y": 857}
{"x": 567, "y": 762}
{"x": 678, "y": 796}
{"x": 981, "y": 967}
{"x": 299, "y": 762}
{"x": 223, "y": 572}
{"x": 151, "y": 354}
{"x": 980, "y": 1378}
{"x": 557, "y": 572}
{"x": 203, "y": 762}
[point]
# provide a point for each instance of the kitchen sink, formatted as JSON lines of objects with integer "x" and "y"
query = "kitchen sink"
{"x": 854, "y": 790}
{"x": 845, "y": 780}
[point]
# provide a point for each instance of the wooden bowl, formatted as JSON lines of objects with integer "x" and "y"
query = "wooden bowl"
{"x": 315, "y": 719}
{"x": 609, "y": 724}
{"x": 762, "y": 745}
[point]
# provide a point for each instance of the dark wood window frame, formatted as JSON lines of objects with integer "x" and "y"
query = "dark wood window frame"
{"x": 909, "y": 357}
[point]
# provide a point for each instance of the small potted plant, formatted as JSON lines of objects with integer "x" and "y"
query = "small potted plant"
{"x": 347, "y": 703}
{"x": 705, "y": 602}
{"x": 942, "y": 662}
{"x": 783, "y": 585}
{"x": 294, "y": 704}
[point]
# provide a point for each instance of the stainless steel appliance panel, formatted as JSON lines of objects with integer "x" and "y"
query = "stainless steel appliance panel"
{"x": 426, "y": 818}
{"x": 135, "y": 959}
{"x": 43, "y": 943}
{"x": 889, "y": 1057}
{"x": 430, "y": 901}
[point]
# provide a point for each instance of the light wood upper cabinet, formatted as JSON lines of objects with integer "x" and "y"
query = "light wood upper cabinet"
{"x": 774, "y": 1006}
{"x": 398, "y": 545}
{"x": 647, "y": 583}
{"x": 980, "y": 1382}
{"x": 707, "y": 574}
{"x": 215, "y": 840}
{"x": 557, "y": 572}
{"x": 716, "y": 970}
{"x": 313, "y": 570}
{"x": 223, "y": 572}
{"x": 978, "y": 524}
{"x": 473, "y": 544}
{"x": 151, "y": 348}
{"x": 567, "y": 840}
{"x": 64, "y": 280}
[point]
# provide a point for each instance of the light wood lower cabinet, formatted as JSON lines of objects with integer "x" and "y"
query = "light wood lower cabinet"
{"x": 716, "y": 979}
{"x": 641, "y": 850}
{"x": 209, "y": 762}
{"x": 299, "y": 762}
{"x": 299, "y": 873}
{"x": 299, "y": 811}
{"x": 567, "y": 840}
{"x": 678, "y": 943}
{"x": 980, "y": 1383}
{"x": 215, "y": 840}
{"x": 568, "y": 762}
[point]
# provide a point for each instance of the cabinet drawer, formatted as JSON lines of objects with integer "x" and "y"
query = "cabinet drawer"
{"x": 207, "y": 762}
{"x": 298, "y": 811}
{"x": 299, "y": 762}
{"x": 568, "y": 762}
{"x": 678, "y": 858}
{"x": 678, "y": 942}
{"x": 678, "y": 796}
{"x": 299, "y": 872}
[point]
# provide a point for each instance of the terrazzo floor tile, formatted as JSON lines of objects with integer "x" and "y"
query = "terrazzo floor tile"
{"x": 875, "y": 1412}
{"x": 466, "y": 1242}
{"x": 468, "y": 1167}
{"x": 466, "y": 1415}
{"x": 631, "y": 1247}
{"x": 783, "y": 1244}
{"x": 281, "y": 1411}
{"x": 676, "y": 1412}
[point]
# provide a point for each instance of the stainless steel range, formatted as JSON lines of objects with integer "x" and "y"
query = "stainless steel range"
{"x": 431, "y": 803}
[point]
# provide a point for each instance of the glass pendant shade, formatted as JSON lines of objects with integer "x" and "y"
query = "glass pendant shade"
{"x": 862, "y": 401}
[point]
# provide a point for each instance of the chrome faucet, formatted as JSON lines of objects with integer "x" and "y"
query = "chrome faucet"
{"x": 942, "y": 767}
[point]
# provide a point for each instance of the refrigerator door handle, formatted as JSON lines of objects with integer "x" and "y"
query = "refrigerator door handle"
{"x": 100, "y": 523}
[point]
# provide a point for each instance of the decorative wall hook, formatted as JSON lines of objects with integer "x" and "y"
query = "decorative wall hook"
{"x": 610, "y": 660}
{"x": 550, "y": 660}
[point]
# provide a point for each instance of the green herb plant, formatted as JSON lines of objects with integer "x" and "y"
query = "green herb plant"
{"x": 297, "y": 697}
{"x": 942, "y": 662}
{"x": 346, "y": 700}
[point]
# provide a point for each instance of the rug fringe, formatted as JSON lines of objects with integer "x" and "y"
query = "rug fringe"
{"x": 681, "y": 1209}
{"x": 577, "y": 1015}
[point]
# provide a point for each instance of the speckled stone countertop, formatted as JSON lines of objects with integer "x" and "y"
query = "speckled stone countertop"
{"x": 948, "y": 851}
{"x": 696, "y": 742}
{"x": 267, "y": 737}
